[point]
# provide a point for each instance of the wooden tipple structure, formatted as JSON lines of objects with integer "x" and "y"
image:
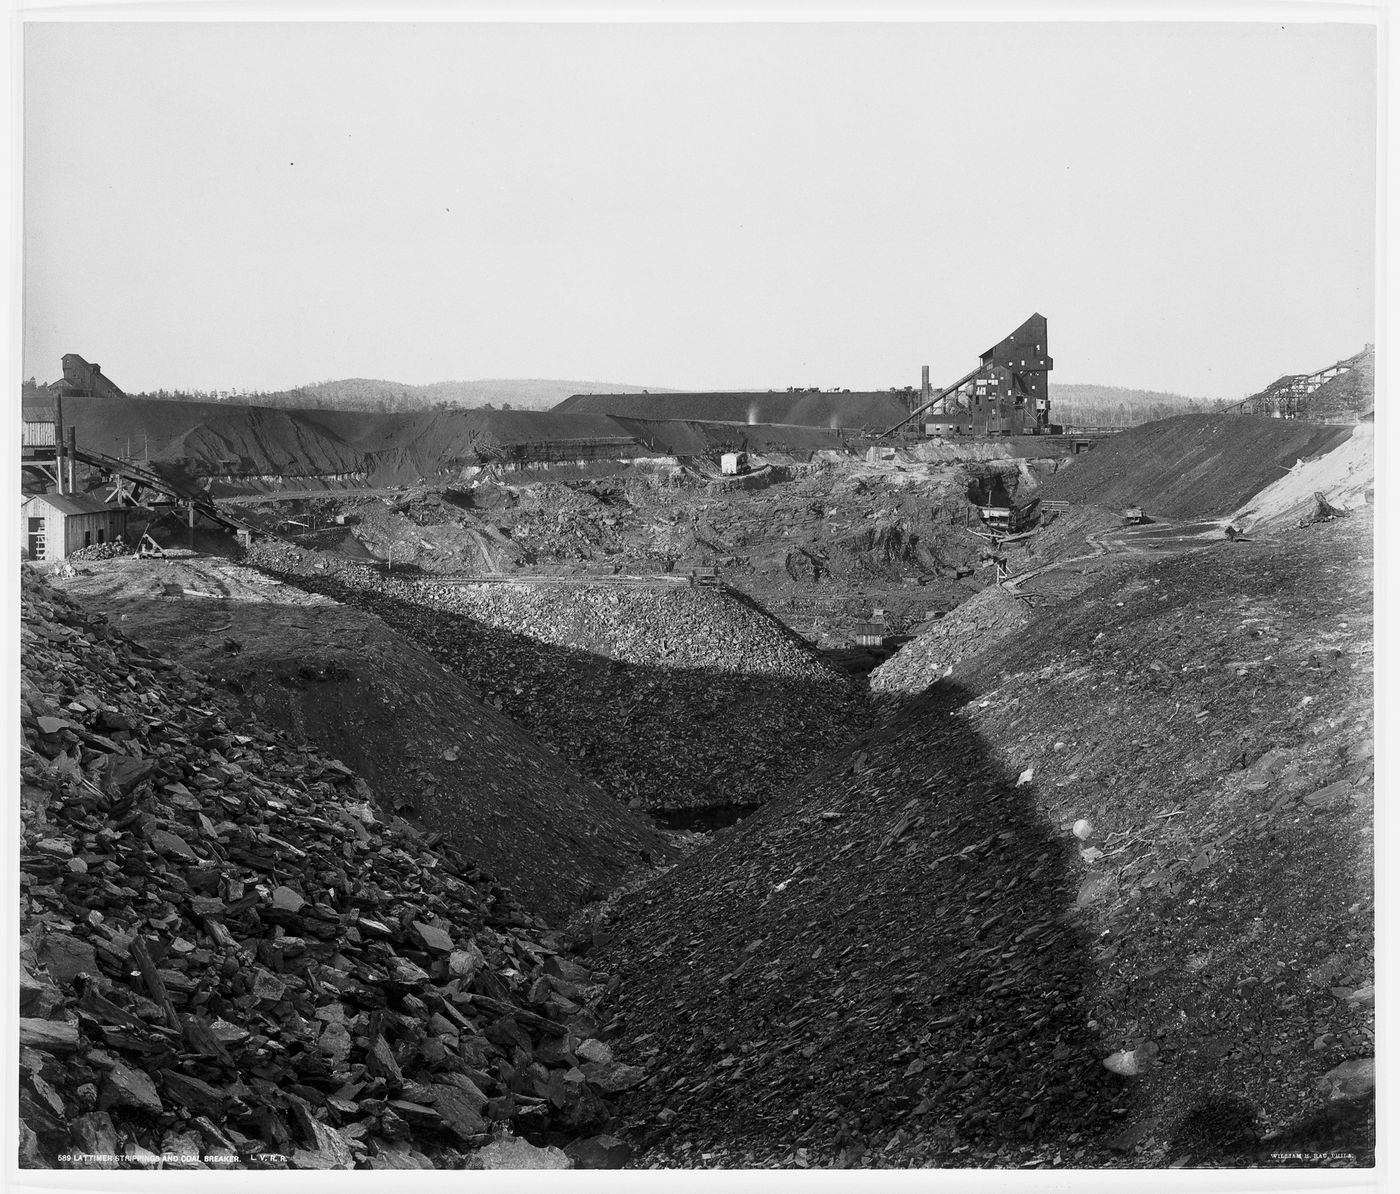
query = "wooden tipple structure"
{"x": 49, "y": 452}
{"x": 1006, "y": 394}
{"x": 1291, "y": 396}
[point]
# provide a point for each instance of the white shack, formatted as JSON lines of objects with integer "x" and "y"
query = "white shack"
{"x": 54, "y": 525}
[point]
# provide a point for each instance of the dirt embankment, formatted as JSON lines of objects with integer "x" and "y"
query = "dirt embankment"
{"x": 420, "y": 735}
{"x": 1103, "y": 897}
{"x": 1191, "y": 466}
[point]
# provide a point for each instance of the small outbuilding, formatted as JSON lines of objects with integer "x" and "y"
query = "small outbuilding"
{"x": 872, "y": 634}
{"x": 54, "y": 525}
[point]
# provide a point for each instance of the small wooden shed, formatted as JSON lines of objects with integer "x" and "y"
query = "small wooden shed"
{"x": 54, "y": 525}
{"x": 872, "y": 634}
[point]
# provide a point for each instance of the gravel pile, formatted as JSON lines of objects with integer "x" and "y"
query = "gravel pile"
{"x": 227, "y": 952}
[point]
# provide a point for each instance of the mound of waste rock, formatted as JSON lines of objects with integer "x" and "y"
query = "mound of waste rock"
{"x": 974, "y": 626}
{"x": 672, "y": 697}
{"x": 827, "y": 409}
{"x": 884, "y": 963}
{"x": 1101, "y": 897}
{"x": 675, "y": 698}
{"x": 1210, "y": 717}
{"x": 1350, "y": 393}
{"x": 231, "y": 958}
{"x": 261, "y": 441}
{"x": 1191, "y": 466}
{"x": 433, "y": 751}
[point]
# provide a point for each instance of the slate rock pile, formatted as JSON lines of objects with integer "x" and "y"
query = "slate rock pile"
{"x": 227, "y": 952}
{"x": 882, "y": 966}
{"x": 669, "y": 700}
{"x": 979, "y": 623}
{"x": 1210, "y": 714}
{"x": 555, "y": 522}
{"x": 101, "y": 551}
{"x": 673, "y": 628}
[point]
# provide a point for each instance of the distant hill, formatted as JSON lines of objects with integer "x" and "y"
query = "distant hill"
{"x": 1120, "y": 406}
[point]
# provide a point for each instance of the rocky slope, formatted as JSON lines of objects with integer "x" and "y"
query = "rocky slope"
{"x": 826, "y": 409}
{"x": 674, "y": 699}
{"x": 1101, "y": 897}
{"x": 977, "y": 625}
{"x": 1345, "y": 476}
{"x": 1191, "y": 466}
{"x": 424, "y": 738}
{"x": 229, "y": 957}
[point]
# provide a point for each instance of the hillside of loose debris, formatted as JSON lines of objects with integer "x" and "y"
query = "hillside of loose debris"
{"x": 425, "y": 740}
{"x": 1191, "y": 466}
{"x": 1345, "y": 476}
{"x": 1352, "y": 392}
{"x": 1103, "y": 896}
{"x": 823, "y": 409}
{"x": 228, "y": 951}
{"x": 978, "y": 624}
{"x": 668, "y": 699}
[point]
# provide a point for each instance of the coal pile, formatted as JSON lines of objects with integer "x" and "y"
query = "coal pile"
{"x": 230, "y": 958}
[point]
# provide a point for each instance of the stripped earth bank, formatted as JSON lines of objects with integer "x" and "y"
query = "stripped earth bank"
{"x": 398, "y": 866}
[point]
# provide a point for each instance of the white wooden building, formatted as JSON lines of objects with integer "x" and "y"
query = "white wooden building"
{"x": 54, "y": 525}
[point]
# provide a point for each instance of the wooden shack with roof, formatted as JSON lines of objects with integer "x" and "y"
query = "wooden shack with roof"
{"x": 54, "y": 525}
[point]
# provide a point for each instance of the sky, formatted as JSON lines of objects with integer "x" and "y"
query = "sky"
{"x": 256, "y": 206}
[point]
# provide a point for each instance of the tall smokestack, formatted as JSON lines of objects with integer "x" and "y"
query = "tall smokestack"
{"x": 925, "y": 391}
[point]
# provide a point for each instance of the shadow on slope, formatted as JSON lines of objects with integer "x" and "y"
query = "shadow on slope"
{"x": 1211, "y": 714}
{"x": 885, "y": 965}
{"x": 674, "y": 735}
